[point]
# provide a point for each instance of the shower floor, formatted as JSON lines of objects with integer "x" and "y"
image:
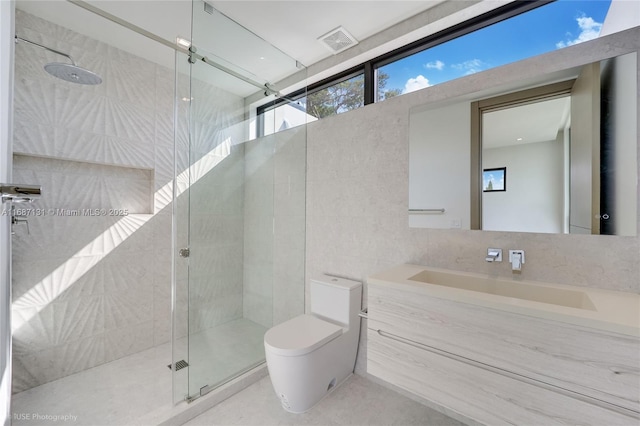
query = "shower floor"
{"x": 216, "y": 353}
{"x": 130, "y": 389}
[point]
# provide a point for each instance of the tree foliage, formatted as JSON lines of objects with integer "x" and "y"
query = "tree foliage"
{"x": 382, "y": 84}
{"x": 345, "y": 96}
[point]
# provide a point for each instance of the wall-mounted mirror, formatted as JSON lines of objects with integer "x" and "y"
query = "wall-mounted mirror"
{"x": 555, "y": 158}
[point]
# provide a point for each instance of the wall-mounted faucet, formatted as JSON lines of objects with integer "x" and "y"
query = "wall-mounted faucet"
{"x": 19, "y": 193}
{"x": 494, "y": 255}
{"x": 516, "y": 257}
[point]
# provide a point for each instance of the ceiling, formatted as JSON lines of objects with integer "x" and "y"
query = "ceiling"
{"x": 174, "y": 16}
{"x": 530, "y": 123}
{"x": 293, "y": 27}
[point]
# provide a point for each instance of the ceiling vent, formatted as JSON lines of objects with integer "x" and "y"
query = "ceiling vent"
{"x": 338, "y": 40}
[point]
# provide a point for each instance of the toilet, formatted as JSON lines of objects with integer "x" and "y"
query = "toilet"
{"x": 310, "y": 355}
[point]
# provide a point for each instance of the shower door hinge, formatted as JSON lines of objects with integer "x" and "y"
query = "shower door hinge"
{"x": 184, "y": 252}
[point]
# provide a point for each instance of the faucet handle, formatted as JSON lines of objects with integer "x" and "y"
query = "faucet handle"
{"x": 494, "y": 255}
{"x": 516, "y": 257}
{"x": 15, "y": 220}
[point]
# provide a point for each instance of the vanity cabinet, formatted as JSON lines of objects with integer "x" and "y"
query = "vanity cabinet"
{"x": 499, "y": 367}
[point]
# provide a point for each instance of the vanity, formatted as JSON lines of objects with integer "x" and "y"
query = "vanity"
{"x": 494, "y": 348}
{"x": 506, "y": 351}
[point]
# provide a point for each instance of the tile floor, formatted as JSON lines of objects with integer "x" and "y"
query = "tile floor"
{"x": 130, "y": 390}
{"x": 358, "y": 401}
{"x": 116, "y": 393}
{"x": 136, "y": 390}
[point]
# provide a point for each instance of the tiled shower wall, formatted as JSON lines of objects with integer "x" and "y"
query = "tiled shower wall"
{"x": 90, "y": 289}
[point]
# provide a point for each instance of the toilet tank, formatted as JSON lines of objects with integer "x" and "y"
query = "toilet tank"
{"x": 335, "y": 299}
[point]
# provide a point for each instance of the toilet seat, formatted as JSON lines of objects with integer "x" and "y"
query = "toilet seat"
{"x": 300, "y": 335}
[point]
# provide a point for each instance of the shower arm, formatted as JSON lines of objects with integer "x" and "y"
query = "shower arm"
{"x": 46, "y": 48}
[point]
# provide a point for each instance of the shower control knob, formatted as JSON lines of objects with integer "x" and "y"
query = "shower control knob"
{"x": 184, "y": 252}
{"x": 15, "y": 220}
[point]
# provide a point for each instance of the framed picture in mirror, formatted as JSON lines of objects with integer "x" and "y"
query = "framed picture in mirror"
{"x": 494, "y": 180}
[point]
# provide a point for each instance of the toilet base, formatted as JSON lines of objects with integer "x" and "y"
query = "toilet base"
{"x": 300, "y": 382}
{"x": 286, "y": 407}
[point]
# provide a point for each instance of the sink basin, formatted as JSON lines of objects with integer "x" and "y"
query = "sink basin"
{"x": 613, "y": 311}
{"x": 551, "y": 295}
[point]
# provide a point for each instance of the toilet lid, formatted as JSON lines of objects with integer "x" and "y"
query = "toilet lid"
{"x": 300, "y": 335}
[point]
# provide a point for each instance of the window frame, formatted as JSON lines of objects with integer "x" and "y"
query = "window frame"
{"x": 370, "y": 68}
{"x": 308, "y": 90}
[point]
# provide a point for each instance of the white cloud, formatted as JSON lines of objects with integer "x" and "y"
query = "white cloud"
{"x": 438, "y": 65}
{"x": 471, "y": 66}
{"x": 589, "y": 29}
{"x": 413, "y": 84}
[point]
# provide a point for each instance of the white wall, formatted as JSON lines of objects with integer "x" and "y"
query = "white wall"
{"x": 622, "y": 14}
{"x": 6, "y": 126}
{"x": 533, "y": 201}
{"x": 438, "y": 170}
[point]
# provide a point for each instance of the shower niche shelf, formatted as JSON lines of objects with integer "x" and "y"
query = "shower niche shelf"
{"x": 85, "y": 187}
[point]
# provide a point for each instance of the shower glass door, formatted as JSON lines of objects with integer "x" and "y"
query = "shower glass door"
{"x": 230, "y": 264}
{"x": 223, "y": 341}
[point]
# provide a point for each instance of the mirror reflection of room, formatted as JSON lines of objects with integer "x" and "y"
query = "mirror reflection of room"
{"x": 567, "y": 155}
{"x": 528, "y": 140}
{"x": 567, "y": 144}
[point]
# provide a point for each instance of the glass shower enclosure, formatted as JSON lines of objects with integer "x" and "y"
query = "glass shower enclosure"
{"x": 239, "y": 205}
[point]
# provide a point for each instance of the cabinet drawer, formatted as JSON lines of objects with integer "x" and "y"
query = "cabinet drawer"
{"x": 478, "y": 394}
{"x": 599, "y": 364}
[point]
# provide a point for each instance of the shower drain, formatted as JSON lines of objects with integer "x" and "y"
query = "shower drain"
{"x": 180, "y": 365}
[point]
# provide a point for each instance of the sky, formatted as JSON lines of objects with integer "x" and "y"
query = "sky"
{"x": 553, "y": 26}
{"x": 497, "y": 177}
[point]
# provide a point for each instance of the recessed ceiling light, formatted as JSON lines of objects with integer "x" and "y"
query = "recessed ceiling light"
{"x": 519, "y": 139}
{"x": 183, "y": 42}
{"x": 186, "y": 99}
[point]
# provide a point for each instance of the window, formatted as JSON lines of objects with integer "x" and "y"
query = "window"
{"x": 328, "y": 97}
{"x": 552, "y": 26}
{"x": 337, "y": 98}
{"x": 515, "y": 31}
{"x": 282, "y": 116}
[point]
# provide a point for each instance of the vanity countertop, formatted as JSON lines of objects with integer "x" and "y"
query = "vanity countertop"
{"x": 596, "y": 308}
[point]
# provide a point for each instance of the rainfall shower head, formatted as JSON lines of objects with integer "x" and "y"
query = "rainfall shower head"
{"x": 72, "y": 73}
{"x": 68, "y": 72}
